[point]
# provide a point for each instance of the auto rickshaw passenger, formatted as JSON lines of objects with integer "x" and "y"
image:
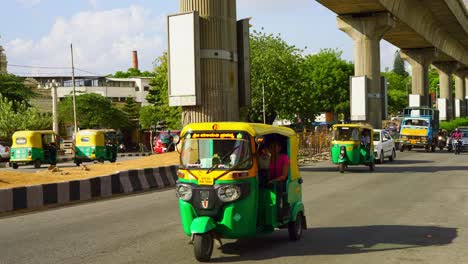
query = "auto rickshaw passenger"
{"x": 365, "y": 141}
{"x": 279, "y": 169}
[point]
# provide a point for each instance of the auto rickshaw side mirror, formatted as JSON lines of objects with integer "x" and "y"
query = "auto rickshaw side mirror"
{"x": 175, "y": 139}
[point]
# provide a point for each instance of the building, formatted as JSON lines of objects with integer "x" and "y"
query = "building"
{"x": 116, "y": 89}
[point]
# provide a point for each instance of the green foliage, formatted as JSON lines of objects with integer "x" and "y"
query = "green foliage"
{"x": 20, "y": 116}
{"x": 131, "y": 108}
{"x": 13, "y": 88}
{"x": 433, "y": 81}
{"x": 398, "y": 89}
{"x": 327, "y": 76}
{"x": 132, "y": 72}
{"x": 451, "y": 125}
{"x": 93, "y": 111}
{"x": 276, "y": 66}
{"x": 399, "y": 65}
{"x": 158, "y": 96}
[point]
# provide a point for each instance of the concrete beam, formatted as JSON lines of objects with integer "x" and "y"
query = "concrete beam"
{"x": 421, "y": 19}
{"x": 366, "y": 32}
{"x": 419, "y": 59}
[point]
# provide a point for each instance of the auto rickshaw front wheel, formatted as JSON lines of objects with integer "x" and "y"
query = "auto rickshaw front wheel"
{"x": 372, "y": 166}
{"x": 14, "y": 165}
{"x": 295, "y": 228}
{"x": 341, "y": 167}
{"x": 203, "y": 247}
{"x": 37, "y": 164}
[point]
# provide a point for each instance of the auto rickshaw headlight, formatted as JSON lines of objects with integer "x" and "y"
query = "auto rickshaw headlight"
{"x": 228, "y": 193}
{"x": 184, "y": 192}
{"x": 343, "y": 150}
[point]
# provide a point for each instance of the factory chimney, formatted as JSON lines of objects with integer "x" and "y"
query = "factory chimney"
{"x": 135, "y": 60}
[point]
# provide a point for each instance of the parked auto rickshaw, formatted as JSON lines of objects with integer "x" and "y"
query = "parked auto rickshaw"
{"x": 95, "y": 144}
{"x": 33, "y": 147}
{"x": 222, "y": 187}
{"x": 353, "y": 144}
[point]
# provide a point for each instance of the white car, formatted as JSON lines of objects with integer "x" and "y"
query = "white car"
{"x": 4, "y": 152}
{"x": 384, "y": 146}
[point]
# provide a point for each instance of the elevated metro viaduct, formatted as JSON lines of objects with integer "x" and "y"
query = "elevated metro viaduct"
{"x": 427, "y": 31}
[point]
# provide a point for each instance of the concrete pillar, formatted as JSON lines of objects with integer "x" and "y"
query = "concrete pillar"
{"x": 366, "y": 32}
{"x": 460, "y": 103}
{"x": 419, "y": 59}
{"x": 445, "y": 70}
{"x": 218, "y": 45}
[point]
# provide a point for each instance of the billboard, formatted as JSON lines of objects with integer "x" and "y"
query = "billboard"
{"x": 358, "y": 98}
{"x": 184, "y": 59}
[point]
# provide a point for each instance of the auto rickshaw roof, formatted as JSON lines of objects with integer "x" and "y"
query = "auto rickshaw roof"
{"x": 254, "y": 129}
{"x": 364, "y": 126}
{"x": 32, "y": 132}
{"x": 94, "y": 131}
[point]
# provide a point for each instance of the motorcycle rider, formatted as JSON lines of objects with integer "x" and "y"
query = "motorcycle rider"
{"x": 457, "y": 135}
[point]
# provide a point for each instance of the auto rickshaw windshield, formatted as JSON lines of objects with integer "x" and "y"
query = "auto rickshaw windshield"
{"x": 346, "y": 134}
{"x": 221, "y": 154}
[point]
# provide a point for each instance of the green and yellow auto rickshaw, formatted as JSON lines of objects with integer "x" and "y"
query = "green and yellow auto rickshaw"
{"x": 352, "y": 144}
{"x": 223, "y": 187}
{"x": 95, "y": 144}
{"x": 33, "y": 147}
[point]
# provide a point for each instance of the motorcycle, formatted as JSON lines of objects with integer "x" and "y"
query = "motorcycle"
{"x": 457, "y": 146}
{"x": 441, "y": 142}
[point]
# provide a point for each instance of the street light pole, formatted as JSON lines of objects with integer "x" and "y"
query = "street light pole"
{"x": 73, "y": 81}
{"x": 263, "y": 98}
{"x": 55, "y": 125}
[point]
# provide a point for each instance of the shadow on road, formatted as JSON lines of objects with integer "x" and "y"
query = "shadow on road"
{"x": 338, "y": 241}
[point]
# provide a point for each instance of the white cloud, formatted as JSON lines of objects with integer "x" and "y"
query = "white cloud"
{"x": 102, "y": 41}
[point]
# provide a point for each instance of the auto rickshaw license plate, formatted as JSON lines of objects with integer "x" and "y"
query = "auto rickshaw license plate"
{"x": 205, "y": 180}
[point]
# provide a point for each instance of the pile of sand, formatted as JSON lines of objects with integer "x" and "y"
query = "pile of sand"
{"x": 11, "y": 179}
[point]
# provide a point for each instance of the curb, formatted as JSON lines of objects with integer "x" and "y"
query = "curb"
{"x": 122, "y": 182}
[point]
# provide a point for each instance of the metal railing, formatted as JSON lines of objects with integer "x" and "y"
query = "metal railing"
{"x": 313, "y": 143}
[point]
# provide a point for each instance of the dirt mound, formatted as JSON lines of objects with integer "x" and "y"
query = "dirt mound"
{"x": 11, "y": 179}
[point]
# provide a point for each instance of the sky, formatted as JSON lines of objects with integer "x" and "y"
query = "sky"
{"x": 104, "y": 32}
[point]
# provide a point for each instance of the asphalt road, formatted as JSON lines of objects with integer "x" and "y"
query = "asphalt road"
{"x": 412, "y": 211}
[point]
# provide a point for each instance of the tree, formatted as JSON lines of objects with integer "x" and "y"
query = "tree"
{"x": 132, "y": 72}
{"x": 399, "y": 65}
{"x": 158, "y": 96}
{"x": 13, "y": 88}
{"x": 93, "y": 111}
{"x": 20, "y": 116}
{"x": 131, "y": 108}
{"x": 397, "y": 91}
{"x": 327, "y": 79}
{"x": 276, "y": 67}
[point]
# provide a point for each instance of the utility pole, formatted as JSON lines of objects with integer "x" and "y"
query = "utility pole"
{"x": 263, "y": 99}
{"x": 73, "y": 81}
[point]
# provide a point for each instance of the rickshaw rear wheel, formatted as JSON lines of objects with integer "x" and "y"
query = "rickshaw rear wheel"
{"x": 341, "y": 167}
{"x": 372, "y": 166}
{"x": 203, "y": 247}
{"x": 37, "y": 164}
{"x": 14, "y": 165}
{"x": 295, "y": 228}
{"x": 402, "y": 148}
